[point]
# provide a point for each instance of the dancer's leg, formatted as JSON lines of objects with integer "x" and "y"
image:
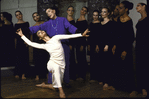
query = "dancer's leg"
{"x": 57, "y": 77}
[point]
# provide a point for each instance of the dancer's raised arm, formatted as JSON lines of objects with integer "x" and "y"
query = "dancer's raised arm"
{"x": 63, "y": 36}
{"x": 33, "y": 44}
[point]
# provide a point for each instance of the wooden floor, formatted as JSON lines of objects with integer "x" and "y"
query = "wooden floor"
{"x": 13, "y": 88}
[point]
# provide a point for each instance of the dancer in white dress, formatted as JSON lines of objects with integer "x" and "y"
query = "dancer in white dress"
{"x": 56, "y": 64}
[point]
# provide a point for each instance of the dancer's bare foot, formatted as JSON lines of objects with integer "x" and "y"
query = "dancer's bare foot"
{"x": 17, "y": 77}
{"x": 105, "y": 86}
{"x": 23, "y": 76}
{"x": 133, "y": 93}
{"x": 92, "y": 81}
{"x": 40, "y": 85}
{"x": 37, "y": 77}
{"x": 51, "y": 86}
{"x": 144, "y": 92}
{"x": 101, "y": 83}
{"x": 43, "y": 85}
{"x": 61, "y": 93}
{"x": 111, "y": 88}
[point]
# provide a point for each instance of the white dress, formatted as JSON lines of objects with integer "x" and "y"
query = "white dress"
{"x": 56, "y": 63}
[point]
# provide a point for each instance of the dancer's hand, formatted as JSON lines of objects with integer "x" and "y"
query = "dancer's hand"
{"x": 19, "y": 32}
{"x": 123, "y": 55}
{"x": 85, "y": 32}
{"x": 106, "y": 48}
{"x": 97, "y": 49}
{"x": 81, "y": 48}
{"x": 113, "y": 49}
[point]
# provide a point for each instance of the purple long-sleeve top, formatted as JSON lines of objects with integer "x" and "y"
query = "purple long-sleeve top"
{"x": 54, "y": 27}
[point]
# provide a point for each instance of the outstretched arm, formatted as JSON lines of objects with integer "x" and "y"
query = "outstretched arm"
{"x": 33, "y": 44}
{"x": 64, "y": 36}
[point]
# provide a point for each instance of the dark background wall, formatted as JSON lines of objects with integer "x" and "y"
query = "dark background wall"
{"x": 63, "y": 4}
{"x": 147, "y": 7}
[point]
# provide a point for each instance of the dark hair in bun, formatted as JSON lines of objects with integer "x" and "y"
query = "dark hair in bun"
{"x": 128, "y": 5}
{"x": 69, "y": 7}
{"x": 145, "y": 6}
{"x": 54, "y": 8}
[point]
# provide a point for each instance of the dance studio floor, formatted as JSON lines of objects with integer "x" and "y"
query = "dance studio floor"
{"x": 13, "y": 88}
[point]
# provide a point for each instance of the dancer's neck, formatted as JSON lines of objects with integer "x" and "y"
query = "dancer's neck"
{"x": 82, "y": 17}
{"x": 69, "y": 18}
{"x": 21, "y": 21}
{"x": 143, "y": 15}
{"x": 46, "y": 38}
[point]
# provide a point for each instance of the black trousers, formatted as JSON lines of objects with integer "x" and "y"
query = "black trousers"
{"x": 22, "y": 60}
{"x": 94, "y": 67}
{"x": 105, "y": 66}
{"x": 41, "y": 58}
{"x": 72, "y": 67}
{"x": 82, "y": 62}
{"x": 124, "y": 72}
{"x": 142, "y": 58}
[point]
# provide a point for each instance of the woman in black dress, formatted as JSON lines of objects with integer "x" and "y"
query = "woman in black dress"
{"x": 81, "y": 25}
{"x": 125, "y": 38}
{"x": 105, "y": 47}
{"x": 8, "y": 46}
{"x": 40, "y": 57}
{"x": 142, "y": 49}
{"x": 72, "y": 66}
{"x": 22, "y": 59}
{"x": 94, "y": 28}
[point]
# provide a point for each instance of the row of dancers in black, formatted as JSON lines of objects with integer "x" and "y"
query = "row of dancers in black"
{"x": 109, "y": 46}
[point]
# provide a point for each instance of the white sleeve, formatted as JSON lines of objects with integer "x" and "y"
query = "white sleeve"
{"x": 33, "y": 44}
{"x": 67, "y": 36}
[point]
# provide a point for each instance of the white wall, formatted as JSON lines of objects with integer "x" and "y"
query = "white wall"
{"x": 27, "y": 7}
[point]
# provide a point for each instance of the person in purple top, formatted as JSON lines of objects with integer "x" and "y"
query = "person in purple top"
{"x": 57, "y": 25}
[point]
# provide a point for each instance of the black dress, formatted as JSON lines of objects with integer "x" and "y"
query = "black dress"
{"x": 93, "y": 40}
{"x": 40, "y": 58}
{"x": 105, "y": 63}
{"x": 142, "y": 54}
{"x": 124, "y": 78}
{"x": 72, "y": 66}
{"x": 22, "y": 52}
{"x": 81, "y": 55}
{"x": 7, "y": 45}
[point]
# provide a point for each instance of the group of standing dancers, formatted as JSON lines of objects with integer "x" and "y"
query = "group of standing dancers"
{"x": 109, "y": 44}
